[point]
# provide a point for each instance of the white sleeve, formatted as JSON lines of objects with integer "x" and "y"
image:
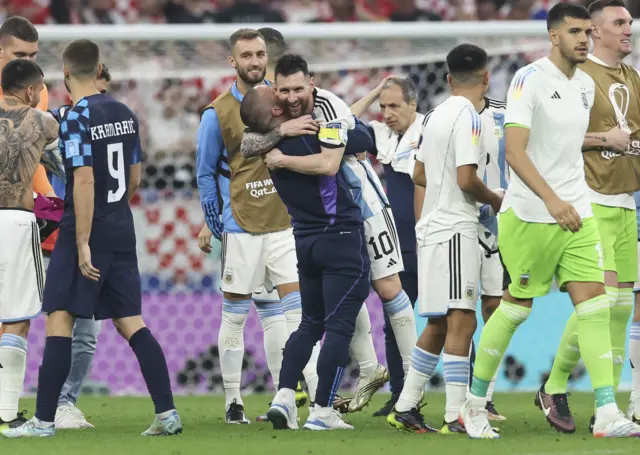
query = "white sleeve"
{"x": 467, "y": 134}
{"x": 333, "y": 132}
{"x": 521, "y": 99}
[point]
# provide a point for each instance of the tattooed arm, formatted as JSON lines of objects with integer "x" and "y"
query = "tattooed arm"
{"x": 51, "y": 127}
{"x": 256, "y": 144}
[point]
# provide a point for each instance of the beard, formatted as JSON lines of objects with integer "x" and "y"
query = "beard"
{"x": 244, "y": 75}
{"x": 298, "y": 111}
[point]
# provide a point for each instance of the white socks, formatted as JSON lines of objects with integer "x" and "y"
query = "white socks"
{"x": 13, "y": 358}
{"x": 634, "y": 357}
{"x": 274, "y": 326}
{"x": 231, "y": 347}
{"x": 423, "y": 364}
{"x": 362, "y": 347}
{"x": 403, "y": 323}
{"x": 456, "y": 380}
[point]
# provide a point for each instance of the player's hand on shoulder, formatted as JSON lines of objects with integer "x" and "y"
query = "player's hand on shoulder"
{"x": 204, "y": 239}
{"x": 301, "y": 126}
{"x": 274, "y": 159}
{"x": 565, "y": 214}
{"x": 84, "y": 262}
{"x": 618, "y": 139}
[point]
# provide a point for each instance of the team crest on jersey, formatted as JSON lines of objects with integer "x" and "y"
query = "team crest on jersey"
{"x": 524, "y": 280}
{"x": 227, "y": 276}
{"x": 470, "y": 292}
{"x": 585, "y": 102}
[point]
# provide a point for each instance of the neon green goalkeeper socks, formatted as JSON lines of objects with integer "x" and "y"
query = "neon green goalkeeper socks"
{"x": 593, "y": 317}
{"x": 620, "y": 315}
{"x": 494, "y": 341}
{"x": 568, "y": 353}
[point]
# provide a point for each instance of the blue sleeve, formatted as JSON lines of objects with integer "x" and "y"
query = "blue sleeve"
{"x": 374, "y": 148}
{"x": 208, "y": 153}
{"x": 359, "y": 140}
{"x": 76, "y": 138}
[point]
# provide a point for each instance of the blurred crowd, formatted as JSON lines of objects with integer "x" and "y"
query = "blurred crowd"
{"x": 258, "y": 11}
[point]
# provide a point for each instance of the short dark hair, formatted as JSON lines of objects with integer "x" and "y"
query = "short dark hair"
{"x": 82, "y": 58}
{"x": 19, "y": 74}
{"x": 465, "y": 60}
{"x": 599, "y": 5}
{"x": 252, "y": 112}
{"x": 276, "y": 45}
{"x": 104, "y": 74}
{"x": 561, "y": 11}
{"x": 409, "y": 92}
{"x": 244, "y": 34}
{"x": 20, "y": 28}
{"x": 290, "y": 64}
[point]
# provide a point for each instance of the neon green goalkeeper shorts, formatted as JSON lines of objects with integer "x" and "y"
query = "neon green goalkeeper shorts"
{"x": 618, "y": 229}
{"x": 535, "y": 253}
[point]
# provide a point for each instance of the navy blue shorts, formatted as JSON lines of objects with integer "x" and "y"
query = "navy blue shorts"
{"x": 116, "y": 295}
{"x": 334, "y": 277}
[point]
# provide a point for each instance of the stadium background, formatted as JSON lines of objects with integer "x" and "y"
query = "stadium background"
{"x": 166, "y": 81}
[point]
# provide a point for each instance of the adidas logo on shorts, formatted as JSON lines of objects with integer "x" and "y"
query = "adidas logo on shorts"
{"x": 391, "y": 263}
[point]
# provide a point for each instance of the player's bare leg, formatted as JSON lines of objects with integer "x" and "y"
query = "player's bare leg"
{"x": 424, "y": 360}
{"x": 13, "y": 364}
{"x": 153, "y": 366}
{"x": 634, "y": 356}
{"x": 489, "y": 305}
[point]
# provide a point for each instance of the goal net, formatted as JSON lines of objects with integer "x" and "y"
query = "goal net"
{"x": 167, "y": 74}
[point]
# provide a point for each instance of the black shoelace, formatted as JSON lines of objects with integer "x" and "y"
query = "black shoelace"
{"x": 561, "y": 404}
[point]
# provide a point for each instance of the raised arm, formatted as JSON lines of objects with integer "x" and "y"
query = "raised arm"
{"x": 360, "y": 107}
{"x": 208, "y": 154}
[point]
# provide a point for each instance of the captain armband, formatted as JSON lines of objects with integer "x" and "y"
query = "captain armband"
{"x": 333, "y": 135}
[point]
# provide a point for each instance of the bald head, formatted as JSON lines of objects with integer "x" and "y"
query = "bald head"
{"x": 257, "y": 109}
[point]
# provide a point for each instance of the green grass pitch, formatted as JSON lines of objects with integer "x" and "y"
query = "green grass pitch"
{"x": 119, "y": 421}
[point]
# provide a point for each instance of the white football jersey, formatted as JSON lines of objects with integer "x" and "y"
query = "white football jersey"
{"x": 334, "y": 114}
{"x": 556, "y": 111}
{"x": 497, "y": 171}
{"x": 452, "y": 137}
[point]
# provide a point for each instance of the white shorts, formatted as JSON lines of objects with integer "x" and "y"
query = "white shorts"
{"x": 263, "y": 295}
{"x": 21, "y": 266}
{"x": 448, "y": 276}
{"x": 383, "y": 245}
{"x": 250, "y": 262}
{"x": 491, "y": 274}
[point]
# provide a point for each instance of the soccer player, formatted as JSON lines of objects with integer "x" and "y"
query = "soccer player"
{"x": 447, "y": 234}
{"x": 100, "y": 144}
{"x": 255, "y": 229}
{"x": 395, "y": 143}
{"x": 276, "y": 47}
{"x": 299, "y": 96}
{"x": 611, "y": 167}
{"x": 85, "y": 331}
{"x": 546, "y": 225}
{"x": 332, "y": 255}
{"x": 26, "y": 131}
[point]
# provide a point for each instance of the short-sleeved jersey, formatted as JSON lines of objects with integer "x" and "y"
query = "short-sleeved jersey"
{"x": 316, "y": 203}
{"x": 452, "y": 137}
{"x": 102, "y": 133}
{"x": 336, "y": 120}
{"x": 556, "y": 110}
